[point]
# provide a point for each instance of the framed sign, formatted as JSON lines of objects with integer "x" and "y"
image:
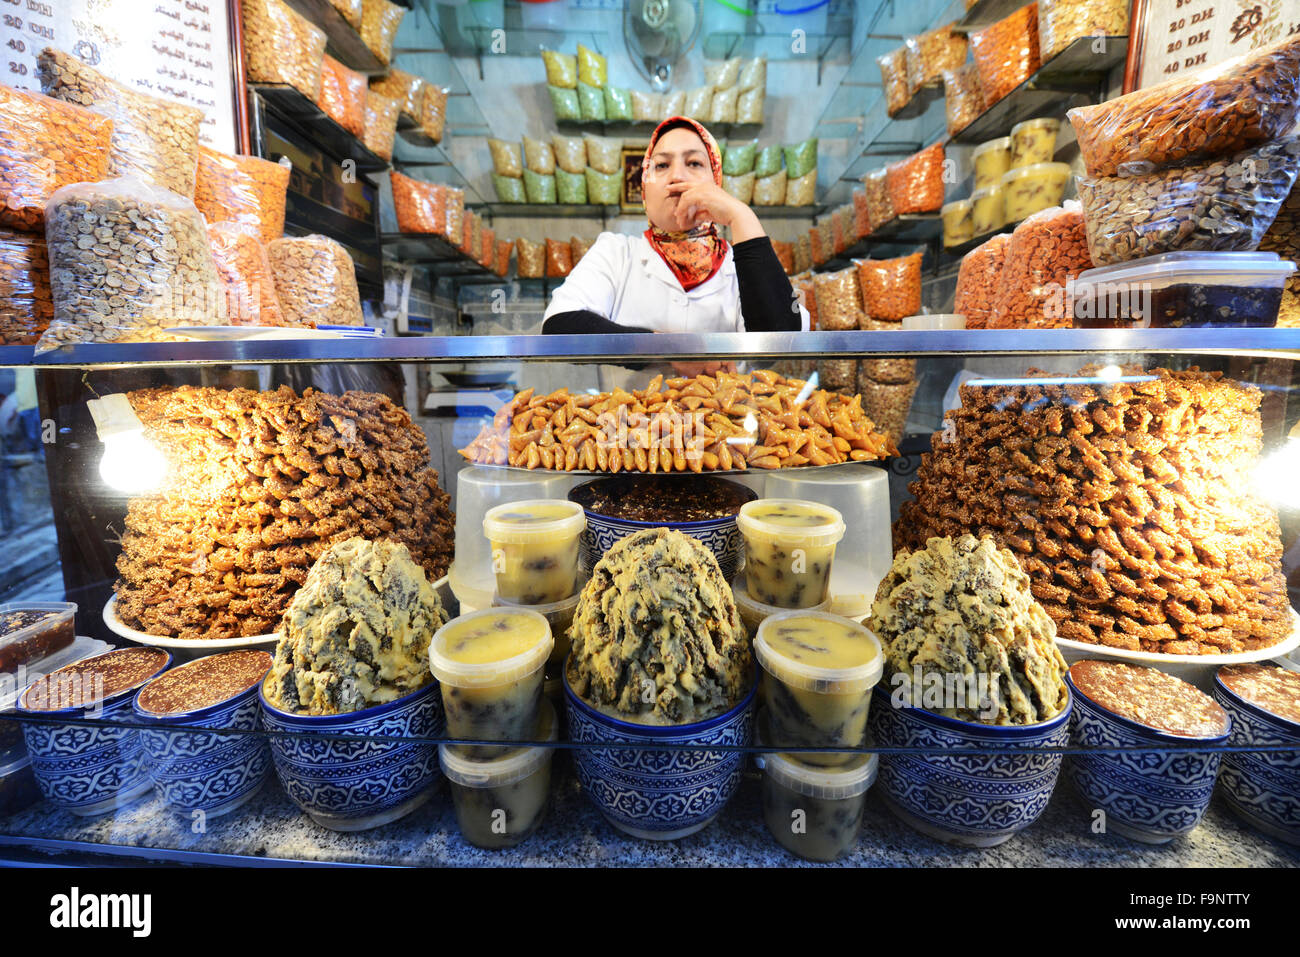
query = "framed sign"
{"x": 630, "y": 201}
{"x": 182, "y": 50}
{"x": 1175, "y": 38}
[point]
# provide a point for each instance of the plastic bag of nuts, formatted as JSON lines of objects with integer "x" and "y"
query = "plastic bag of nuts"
{"x": 559, "y": 258}
{"x": 893, "y": 75}
{"x": 44, "y": 144}
{"x": 153, "y": 140}
{"x": 979, "y": 279}
{"x": 770, "y": 190}
{"x": 472, "y": 233}
{"x": 887, "y": 405}
{"x": 880, "y": 207}
{"x": 784, "y": 255}
{"x": 846, "y": 222}
{"x": 420, "y": 207}
{"x": 343, "y": 96}
{"x": 532, "y": 258}
{"x": 244, "y": 270}
{"x": 838, "y": 375}
{"x": 381, "y": 124}
{"x": 455, "y": 214}
{"x": 800, "y": 191}
{"x": 501, "y": 263}
{"x": 406, "y": 88}
{"x": 242, "y": 189}
{"x": 1225, "y": 204}
{"x": 1061, "y": 22}
{"x": 1048, "y": 251}
{"x": 861, "y": 214}
{"x": 1006, "y": 53}
{"x": 839, "y": 301}
{"x": 379, "y": 22}
{"x": 885, "y": 370}
{"x": 487, "y": 255}
{"x": 282, "y": 46}
{"x": 820, "y": 253}
{"x": 891, "y": 288}
{"x": 1283, "y": 238}
{"x": 433, "y": 112}
{"x": 802, "y": 253}
{"x": 1241, "y": 102}
{"x": 539, "y": 156}
{"x": 315, "y": 282}
{"x": 963, "y": 100}
{"x": 916, "y": 184}
{"x": 929, "y": 54}
{"x": 127, "y": 260}
{"x": 351, "y": 11}
{"x": 578, "y": 248}
{"x": 26, "y": 306}
{"x": 507, "y": 159}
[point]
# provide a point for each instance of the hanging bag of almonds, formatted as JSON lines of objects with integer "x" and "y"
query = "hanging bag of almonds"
{"x": 128, "y": 261}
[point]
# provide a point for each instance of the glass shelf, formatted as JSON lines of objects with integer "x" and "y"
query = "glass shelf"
{"x": 343, "y": 42}
{"x": 322, "y": 131}
{"x": 826, "y": 48}
{"x": 439, "y": 255}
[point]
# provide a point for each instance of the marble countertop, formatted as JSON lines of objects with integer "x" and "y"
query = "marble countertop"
{"x": 574, "y": 834}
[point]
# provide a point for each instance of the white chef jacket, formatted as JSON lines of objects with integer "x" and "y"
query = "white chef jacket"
{"x": 625, "y": 280}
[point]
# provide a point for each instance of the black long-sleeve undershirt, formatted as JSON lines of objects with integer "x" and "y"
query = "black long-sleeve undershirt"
{"x": 766, "y": 298}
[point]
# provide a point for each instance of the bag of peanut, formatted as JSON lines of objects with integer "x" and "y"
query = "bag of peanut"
{"x": 532, "y": 258}
{"x": 979, "y": 279}
{"x": 26, "y": 306}
{"x": 406, "y": 88}
{"x": 380, "y": 129}
{"x": 379, "y": 22}
{"x": 433, "y": 111}
{"x": 929, "y": 54}
{"x": 1047, "y": 252}
{"x": 242, "y": 189}
{"x": 315, "y": 282}
{"x": 282, "y": 46}
{"x": 891, "y": 288}
{"x": 244, "y": 270}
{"x": 343, "y": 96}
{"x": 893, "y": 74}
{"x": 420, "y": 207}
{"x": 839, "y": 300}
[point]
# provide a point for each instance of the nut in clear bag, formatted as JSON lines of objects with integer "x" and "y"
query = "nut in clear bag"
{"x": 379, "y": 22}
{"x": 421, "y": 207}
{"x": 380, "y": 130}
{"x": 343, "y": 96}
{"x": 433, "y": 112}
{"x": 315, "y": 282}
{"x": 242, "y": 189}
{"x": 244, "y": 270}
{"x": 26, "y": 305}
{"x": 282, "y": 46}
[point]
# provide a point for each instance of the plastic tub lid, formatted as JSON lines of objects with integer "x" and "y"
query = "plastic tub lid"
{"x": 1204, "y": 268}
{"x": 945, "y": 320}
{"x": 1036, "y": 169}
{"x": 986, "y": 192}
{"x": 463, "y": 675}
{"x": 758, "y": 609}
{"x": 1001, "y": 143}
{"x": 833, "y": 783}
{"x": 815, "y": 536}
{"x": 530, "y": 531}
{"x": 514, "y": 765}
{"x": 808, "y": 677}
{"x": 15, "y": 766}
{"x": 547, "y": 611}
{"x": 943, "y": 210}
{"x": 1038, "y": 121}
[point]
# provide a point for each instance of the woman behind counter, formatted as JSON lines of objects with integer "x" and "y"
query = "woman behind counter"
{"x": 680, "y": 275}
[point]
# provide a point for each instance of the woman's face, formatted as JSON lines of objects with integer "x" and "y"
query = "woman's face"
{"x": 679, "y": 157}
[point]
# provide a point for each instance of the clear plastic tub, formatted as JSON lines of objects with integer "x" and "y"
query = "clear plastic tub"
{"x": 818, "y": 670}
{"x": 1029, "y": 189}
{"x": 991, "y": 160}
{"x": 535, "y": 549}
{"x": 1034, "y": 141}
{"x": 501, "y": 801}
{"x": 864, "y": 557}
{"x": 1183, "y": 289}
{"x": 18, "y": 788}
{"x": 789, "y": 550}
{"x": 31, "y": 630}
{"x": 988, "y": 209}
{"x": 958, "y": 222}
{"x": 489, "y": 664}
{"x": 754, "y": 613}
{"x": 943, "y": 321}
{"x": 558, "y": 614}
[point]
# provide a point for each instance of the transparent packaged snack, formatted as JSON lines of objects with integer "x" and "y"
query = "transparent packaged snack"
{"x": 604, "y": 155}
{"x": 988, "y": 209}
{"x": 568, "y": 108}
{"x": 559, "y": 258}
{"x": 768, "y": 161}
{"x": 315, "y": 281}
{"x": 539, "y": 188}
{"x": 802, "y": 254}
{"x": 821, "y": 251}
{"x": 886, "y": 371}
{"x": 343, "y": 95}
{"x": 722, "y": 74}
{"x": 723, "y": 107}
{"x": 578, "y": 247}
{"x": 1061, "y": 22}
{"x": 592, "y": 68}
{"x": 128, "y": 260}
{"x": 753, "y": 74}
{"x": 740, "y": 158}
{"x": 847, "y": 224}
{"x": 741, "y": 187}
{"x": 591, "y": 103}
{"x": 242, "y": 189}
{"x": 379, "y": 130}
{"x": 978, "y": 280}
{"x": 674, "y": 104}
{"x": 916, "y": 184}
{"x": 507, "y": 159}
{"x": 893, "y": 76}
{"x": 1047, "y": 252}
{"x": 539, "y": 156}
{"x": 604, "y": 189}
{"x": 891, "y": 288}
{"x": 839, "y": 299}
{"x": 963, "y": 100}
{"x": 784, "y": 255}
{"x": 244, "y": 270}
{"x": 1034, "y": 141}
{"x": 1030, "y": 188}
{"x": 501, "y": 260}
{"x": 26, "y": 304}
{"x": 421, "y": 207}
{"x": 800, "y": 158}
{"x": 861, "y": 213}
{"x": 433, "y": 111}
{"x": 406, "y": 88}
{"x": 801, "y": 191}
{"x": 45, "y": 144}
{"x": 531, "y": 258}
{"x": 1006, "y": 53}
{"x": 455, "y": 214}
{"x": 646, "y": 107}
{"x": 153, "y": 140}
{"x": 618, "y": 105}
{"x": 561, "y": 69}
{"x": 509, "y": 189}
{"x": 1241, "y": 102}
{"x": 749, "y": 106}
{"x": 379, "y": 22}
{"x": 282, "y": 46}
{"x": 698, "y": 103}
{"x": 958, "y": 222}
{"x": 880, "y": 207}
{"x": 769, "y": 190}
{"x": 802, "y": 280}
{"x": 351, "y": 11}
{"x": 570, "y": 188}
{"x": 838, "y": 375}
{"x": 1224, "y": 204}
{"x": 1283, "y": 238}
{"x": 931, "y": 53}
{"x": 887, "y": 405}
{"x": 570, "y": 152}
{"x": 488, "y": 252}
{"x": 991, "y": 161}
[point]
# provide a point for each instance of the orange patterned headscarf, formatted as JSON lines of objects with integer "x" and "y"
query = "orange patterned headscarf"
{"x": 693, "y": 257}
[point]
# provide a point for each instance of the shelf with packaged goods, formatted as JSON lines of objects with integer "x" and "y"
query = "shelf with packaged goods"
{"x": 673, "y": 346}
{"x": 312, "y": 122}
{"x": 900, "y": 235}
{"x": 427, "y": 249}
{"x": 437, "y": 68}
{"x": 432, "y": 162}
{"x": 343, "y": 42}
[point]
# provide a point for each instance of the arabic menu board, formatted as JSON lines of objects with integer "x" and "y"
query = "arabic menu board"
{"x": 173, "y": 49}
{"x": 1175, "y": 38}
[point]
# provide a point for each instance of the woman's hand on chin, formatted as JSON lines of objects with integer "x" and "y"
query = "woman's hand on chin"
{"x": 709, "y": 203}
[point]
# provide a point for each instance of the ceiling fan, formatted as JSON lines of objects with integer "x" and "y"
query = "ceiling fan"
{"x": 657, "y": 33}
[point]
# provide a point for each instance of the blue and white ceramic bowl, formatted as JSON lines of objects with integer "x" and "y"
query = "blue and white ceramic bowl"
{"x": 1148, "y": 795}
{"x": 718, "y": 535}
{"x": 659, "y": 795}
{"x": 978, "y": 800}
{"x": 354, "y": 785}
{"x": 205, "y": 770}
{"x": 84, "y": 769}
{"x": 1262, "y": 787}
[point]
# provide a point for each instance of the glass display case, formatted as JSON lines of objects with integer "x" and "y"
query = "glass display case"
{"x": 1129, "y": 492}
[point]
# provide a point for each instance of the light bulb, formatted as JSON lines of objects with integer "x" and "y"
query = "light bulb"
{"x": 1275, "y": 475}
{"x": 132, "y": 464}
{"x": 1111, "y": 373}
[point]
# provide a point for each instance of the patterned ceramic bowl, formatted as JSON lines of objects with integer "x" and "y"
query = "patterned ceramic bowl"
{"x": 1263, "y": 787}
{"x": 84, "y": 769}
{"x": 205, "y": 770}
{"x": 352, "y": 786}
{"x": 978, "y": 800}
{"x": 718, "y": 535}
{"x": 659, "y": 795}
{"x": 1150, "y": 796}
